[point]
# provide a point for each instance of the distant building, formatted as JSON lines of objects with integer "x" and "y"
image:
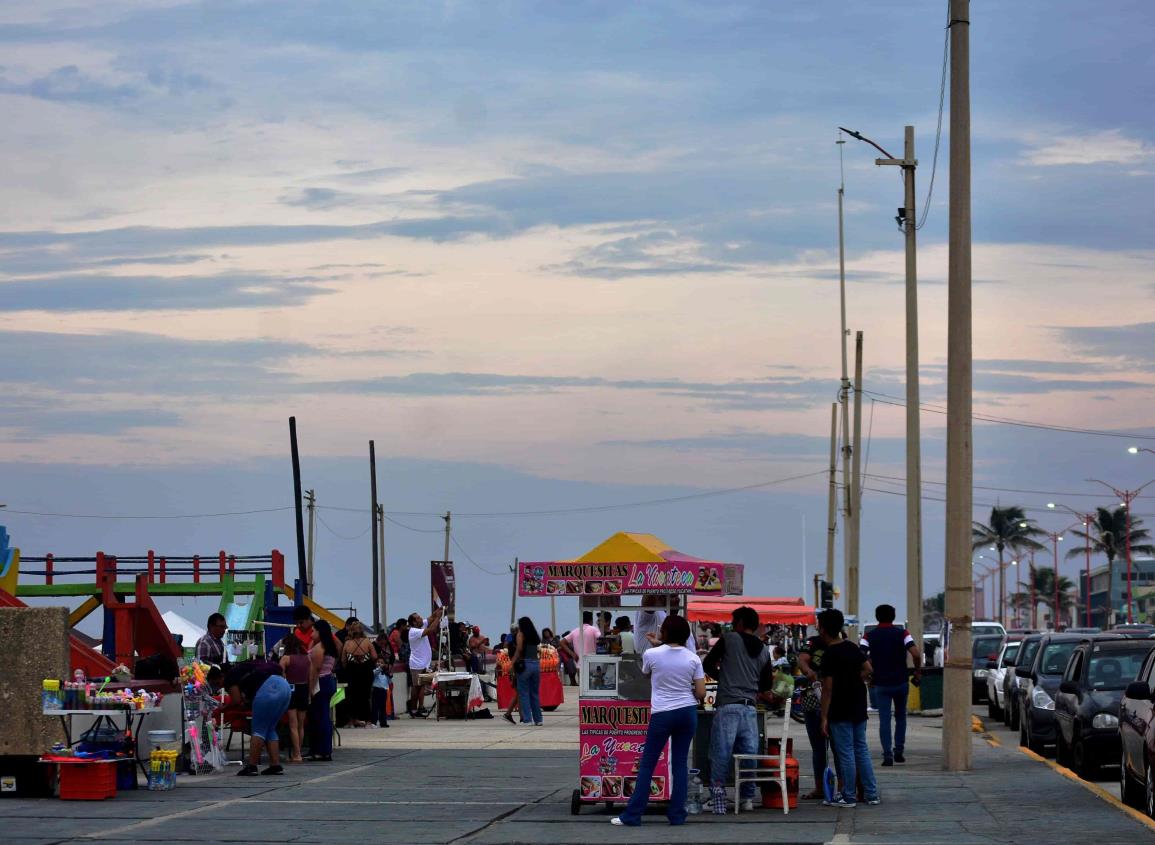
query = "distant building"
{"x": 1109, "y": 600}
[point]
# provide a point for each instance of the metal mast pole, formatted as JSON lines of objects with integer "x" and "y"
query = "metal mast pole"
{"x": 310, "y": 543}
{"x": 381, "y": 570}
{"x": 913, "y": 427}
{"x": 832, "y": 503}
{"x": 848, "y": 505}
{"x": 856, "y": 483}
{"x": 373, "y": 533}
{"x": 956, "y": 734}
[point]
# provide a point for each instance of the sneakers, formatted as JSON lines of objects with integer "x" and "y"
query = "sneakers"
{"x": 617, "y": 821}
{"x": 874, "y": 802}
{"x": 898, "y": 758}
{"x": 840, "y": 802}
{"x": 888, "y": 761}
{"x": 274, "y": 770}
{"x": 248, "y": 771}
{"x": 718, "y": 800}
{"x": 747, "y": 805}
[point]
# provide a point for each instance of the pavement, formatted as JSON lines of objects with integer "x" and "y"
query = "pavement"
{"x": 490, "y": 783}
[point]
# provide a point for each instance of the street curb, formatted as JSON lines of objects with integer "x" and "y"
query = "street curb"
{"x": 1093, "y": 788}
{"x": 978, "y": 726}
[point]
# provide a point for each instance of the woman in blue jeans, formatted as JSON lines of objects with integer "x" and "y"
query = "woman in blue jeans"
{"x": 326, "y": 655}
{"x": 528, "y": 669}
{"x": 677, "y": 684}
{"x": 261, "y": 685}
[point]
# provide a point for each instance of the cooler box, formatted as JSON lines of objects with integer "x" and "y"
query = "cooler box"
{"x": 551, "y": 690}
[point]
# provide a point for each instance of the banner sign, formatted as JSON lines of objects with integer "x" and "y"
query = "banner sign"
{"x": 443, "y": 585}
{"x": 612, "y": 736}
{"x": 559, "y": 578}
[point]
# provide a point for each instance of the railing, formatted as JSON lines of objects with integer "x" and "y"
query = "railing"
{"x": 158, "y": 568}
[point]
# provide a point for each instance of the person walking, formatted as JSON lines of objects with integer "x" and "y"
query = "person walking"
{"x": 741, "y": 664}
{"x": 845, "y": 670}
{"x": 325, "y": 656}
{"x": 297, "y": 664}
{"x": 260, "y": 685}
{"x": 358, "y": 656}
{"x": 887, "y": 647}
{"x": 528, "y": 669}
{"x": 677, "y": 684}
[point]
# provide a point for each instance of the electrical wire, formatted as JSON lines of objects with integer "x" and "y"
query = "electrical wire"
{"x": 338, "y": 534}
{"x": 938, "y": 130}
{"x": 899, "y": 479}
{"x": 469, "y": 558}
{"x": 897, "y": 402}
{"x": 411, "y": 528}
{"x": 145, "y": 516}
{"x": 869, "y": 436}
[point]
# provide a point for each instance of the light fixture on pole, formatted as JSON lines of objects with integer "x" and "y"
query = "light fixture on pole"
{"x": 1135, "y": 450}
{"x": 1127, "y": 497}
{"x": 1087, "y": 520}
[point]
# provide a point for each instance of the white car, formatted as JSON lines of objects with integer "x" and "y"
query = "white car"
{"x": 995, "y": 677}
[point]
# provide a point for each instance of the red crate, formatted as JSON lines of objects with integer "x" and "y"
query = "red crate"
{"x": 88, "y": 780}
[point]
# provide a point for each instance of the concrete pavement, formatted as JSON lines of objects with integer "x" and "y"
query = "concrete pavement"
{"x": 484, "y": 783}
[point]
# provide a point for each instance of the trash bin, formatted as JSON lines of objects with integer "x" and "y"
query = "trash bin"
{"x": 930, "y": 691}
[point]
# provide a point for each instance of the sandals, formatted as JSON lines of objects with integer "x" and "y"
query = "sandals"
{"x": 273, "y": 770}
{"x": 509, "y": 718}
{"x": 248, "y": 771}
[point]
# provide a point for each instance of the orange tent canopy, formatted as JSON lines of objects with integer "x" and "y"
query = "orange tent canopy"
{"x": 770, "y": 610}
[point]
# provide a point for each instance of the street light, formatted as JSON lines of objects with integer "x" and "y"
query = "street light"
{"x": 1056, "y": 537}
{"x": 1135, "y": 450}
{"x": 1087, "y": 520}
{"x": 989, "y": 573}
{"x": 1127, "y": 496}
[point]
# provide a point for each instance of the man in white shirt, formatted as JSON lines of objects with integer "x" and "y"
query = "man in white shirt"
{"x": 420, "y": 657}
{"x": 650, "y": 620}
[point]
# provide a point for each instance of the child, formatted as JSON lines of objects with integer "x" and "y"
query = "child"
{"x": 382, "y": 678}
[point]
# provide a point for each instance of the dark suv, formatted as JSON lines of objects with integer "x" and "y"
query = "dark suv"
{"x": 1011, "y": 682}
{"x": 1137, "y": 739}
{"x": 1038, "y": 686}
{"x": 1087, "y": 704}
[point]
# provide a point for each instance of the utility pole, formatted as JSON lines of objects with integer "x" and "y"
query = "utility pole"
{"x": 832, "y": 504}
{"x": 849, "y": 506}
{"x": 381, "y": 547}
{"x": 310, "y": 543}
{"x": 448, "y": 527}
{"x": 302, "y": 564}
{"x": 956, "y": 727}
{"x": 908, "y": 218}
{"x": 513, "y": 602}
{"x": 856, "y": 482}
{"x": 373, "y": 534}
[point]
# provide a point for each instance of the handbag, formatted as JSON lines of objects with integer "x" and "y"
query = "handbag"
{"x": 812, "y": 698}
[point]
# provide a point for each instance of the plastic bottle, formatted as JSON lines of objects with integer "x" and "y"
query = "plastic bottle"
{"x": 694, "y": 794}
{"x": 50, "y": 695}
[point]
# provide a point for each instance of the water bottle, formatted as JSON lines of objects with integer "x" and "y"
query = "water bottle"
{"x": 694, "y": 794}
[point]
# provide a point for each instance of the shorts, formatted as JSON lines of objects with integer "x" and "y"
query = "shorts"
{"x": 269, "y": 705}
{"x": 413, "y": 676}
{"x": 299, "y": 700}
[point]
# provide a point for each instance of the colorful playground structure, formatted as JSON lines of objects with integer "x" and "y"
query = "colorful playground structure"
{"x": 249, "y": 589}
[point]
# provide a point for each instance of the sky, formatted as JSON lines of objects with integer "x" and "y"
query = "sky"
{"x": 550, "y": 257}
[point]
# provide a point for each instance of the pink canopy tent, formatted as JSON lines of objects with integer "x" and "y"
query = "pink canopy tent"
{"x": 770, "y": 610}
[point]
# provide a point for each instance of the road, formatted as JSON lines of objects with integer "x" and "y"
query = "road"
{"x": 1108, "y": 777}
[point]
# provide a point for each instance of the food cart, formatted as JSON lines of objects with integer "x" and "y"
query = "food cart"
{"x": 614, "y": 697}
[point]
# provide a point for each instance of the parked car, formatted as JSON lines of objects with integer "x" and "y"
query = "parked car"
{"x": 1087, "y": 704}
{"x": 1038, "y": 685}
{"x": 1137, "y": 739}
{"x": 996, "y": 671}
{"x": 1138, "y": 630}
{"x": 987, "y": 629}
{"x": 1025, "y": 656}
{"x": 984, "y": 649}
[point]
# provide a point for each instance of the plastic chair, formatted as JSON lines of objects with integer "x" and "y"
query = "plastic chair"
{"x": 775, "y": 772}
{"x": 337, "y": 698}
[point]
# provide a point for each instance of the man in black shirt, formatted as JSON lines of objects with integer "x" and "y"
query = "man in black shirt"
{"x": 844, "y": 673}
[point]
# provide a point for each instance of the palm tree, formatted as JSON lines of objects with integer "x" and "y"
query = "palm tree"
{"x": 1007, "y": 528}
{"x": 1108, "y": 536}
{"x": 1045, "y": 586}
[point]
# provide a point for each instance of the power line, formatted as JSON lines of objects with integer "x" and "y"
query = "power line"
{"x": 1058, "y": 495}
{"x": 146, "y": 516}
{"x": 411, "y": 528}
{"x": 887, "y": 399}
{"x": 469, "y": 558}
{"x": 938, "y": 129}
{"x": 338, "y": 534}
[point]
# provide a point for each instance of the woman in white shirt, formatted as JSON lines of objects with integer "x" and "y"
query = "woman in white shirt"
{"x": 677, "y": 684}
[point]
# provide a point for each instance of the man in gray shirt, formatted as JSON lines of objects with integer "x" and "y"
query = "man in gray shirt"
{"x": 741, "y": 664}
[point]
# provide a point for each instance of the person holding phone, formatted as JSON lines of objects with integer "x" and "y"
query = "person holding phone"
{"x": 677, "y": 684}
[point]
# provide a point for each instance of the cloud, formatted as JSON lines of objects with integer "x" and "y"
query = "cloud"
{"x": 659, "y": 253}
{"x": 769, "y": 446}
{"x": 152, "y": 293}
{"x": 1026, "y": 365}
{"x": 1109, "y": 146}
{"x": 71, "y": 84}
{"x": 1133, "y": 344}
{"x": 31, "y": 420}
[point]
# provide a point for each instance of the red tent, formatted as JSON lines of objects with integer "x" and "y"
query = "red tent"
{"x": 770, "y": 610}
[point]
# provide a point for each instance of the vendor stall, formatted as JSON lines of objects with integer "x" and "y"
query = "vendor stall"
{"x": 614, "y": 699}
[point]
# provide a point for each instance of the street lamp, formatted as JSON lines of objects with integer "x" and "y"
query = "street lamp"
{"x": 1127, "y": 496}
{"x": 1087, "y": 520}
{"x": 989, "y": 573}
{"x": 1135, "y": 450}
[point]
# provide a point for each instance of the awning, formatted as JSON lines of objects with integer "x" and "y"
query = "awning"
{"x": 719, "y": 610}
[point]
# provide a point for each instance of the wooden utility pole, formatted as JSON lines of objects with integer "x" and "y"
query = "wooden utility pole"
{"x": 513, "y": 601}
{"x": 832, "y": 504}
{"x": 381, "y": 551}
{"x": 856, "y": 484}
{"x": 373, "y": 534}
{"x": 311, "y": 544}
{"x": 302, "y": 563}
{"x": 956, "y": 733}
